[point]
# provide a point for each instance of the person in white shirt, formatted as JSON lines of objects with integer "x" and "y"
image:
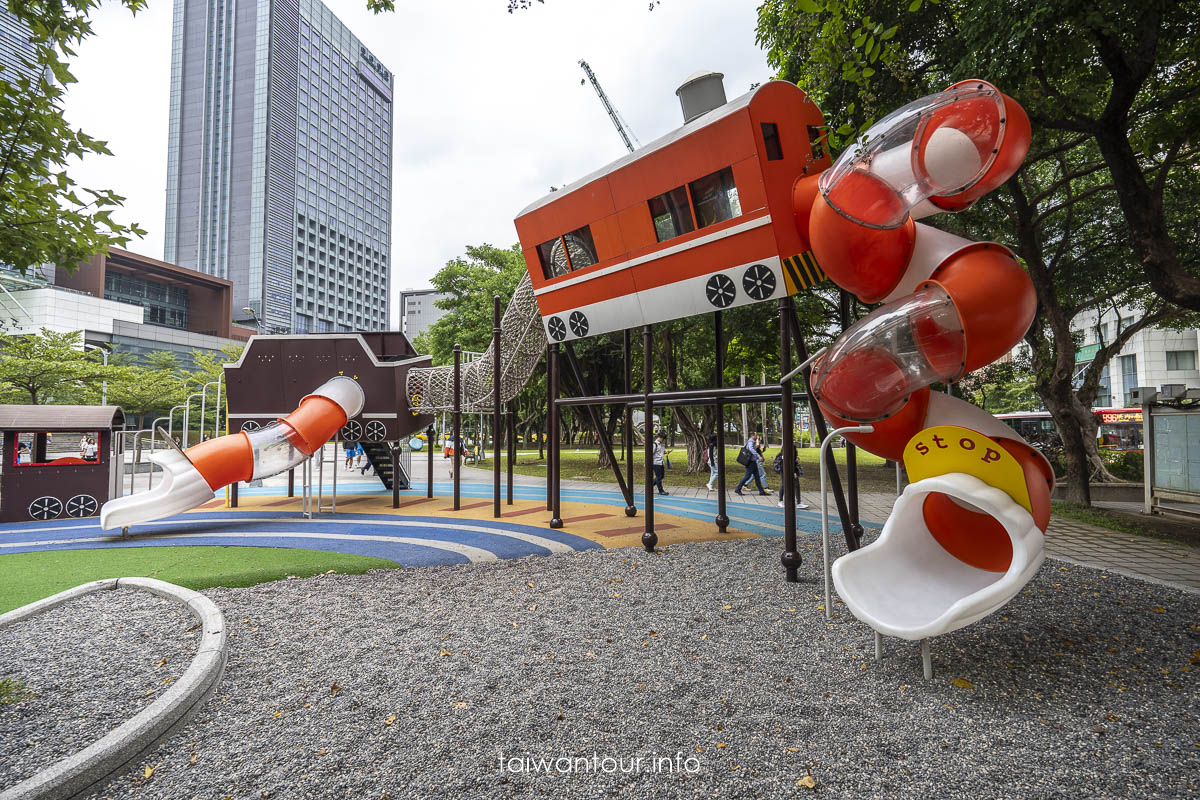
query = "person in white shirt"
{"x": 89, "y": 450}
{"x": 660, "y": 458}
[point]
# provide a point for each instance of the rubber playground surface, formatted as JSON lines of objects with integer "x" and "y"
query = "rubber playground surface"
{"x": 423, "y": 531}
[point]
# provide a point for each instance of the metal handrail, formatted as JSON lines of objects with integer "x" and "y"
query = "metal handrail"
{"x": 829, "y": 437}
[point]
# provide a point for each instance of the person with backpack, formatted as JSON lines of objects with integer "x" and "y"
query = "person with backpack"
{"x": 710, "y": 458}
{"x": 797, "y": 471}
{"x": 750, "y": 457}
{"x": 660, "y": 461}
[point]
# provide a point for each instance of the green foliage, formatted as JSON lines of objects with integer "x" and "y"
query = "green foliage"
{"x": 1128, "y": 466}
{"x": 45, "y": 217}
{"x": 49, "y": 367}
{"x": 1002, "y": 387}
{"x": 209, "y": 366}
{"x": 470, "y": 283}
{"x": 152, "y": 388}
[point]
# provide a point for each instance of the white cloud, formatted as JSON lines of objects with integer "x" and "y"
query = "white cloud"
{"x": 489, "y": 108}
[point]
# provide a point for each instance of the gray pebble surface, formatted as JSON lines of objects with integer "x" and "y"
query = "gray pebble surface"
{"x": 417, "y": 683}
{"x": 86, "y": 666}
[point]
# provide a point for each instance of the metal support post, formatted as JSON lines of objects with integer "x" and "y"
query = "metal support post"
{"x": 457, "y": 423}
{"x": 512, "y": 447}
{"x": 429, "y": 457}
{"x": 549, "y": 434}
{"x": 395, "y": 450}
{"x": 722, "y": 519}
{"x": 497, "y": 421}
{"x": 649, "y": 537}
{"x": 791, "y": 556}
{"x": 627, "y": 435}
{"x": 553, "y": 476}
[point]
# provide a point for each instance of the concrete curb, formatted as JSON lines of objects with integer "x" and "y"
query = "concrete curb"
{"x": 80, "y": 773}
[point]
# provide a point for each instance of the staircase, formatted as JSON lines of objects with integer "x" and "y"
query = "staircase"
{"x": 380, "y": 456}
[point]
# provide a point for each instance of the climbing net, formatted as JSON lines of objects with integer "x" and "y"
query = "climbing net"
{"x": 523, "y": 340}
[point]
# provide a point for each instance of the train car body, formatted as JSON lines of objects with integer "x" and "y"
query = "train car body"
{"x": 700, "y": 219}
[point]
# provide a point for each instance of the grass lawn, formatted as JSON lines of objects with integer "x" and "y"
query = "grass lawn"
{"x": 580, "y": 464}
{"x": 32, "y": 576}
{"x": 1156, "y": 527}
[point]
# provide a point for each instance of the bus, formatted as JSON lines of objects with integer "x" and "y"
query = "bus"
{"x": 1120, "y": 429}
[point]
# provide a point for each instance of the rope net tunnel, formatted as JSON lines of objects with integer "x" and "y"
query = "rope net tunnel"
{"x": 522, "y": 343}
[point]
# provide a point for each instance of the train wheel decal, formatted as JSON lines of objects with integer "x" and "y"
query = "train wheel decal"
{"x": 579, "y": 323}
{"x": 45, "y": 508}
{"x": 758, "y": 281}
{"x": 558, "y": 331}
{"x": 720, "y": 291}
{"x": 351, "y": 431}
{"x": 250, "y": 425}
{"x": 82, "y": 505}
{"x": 376, "y": 431}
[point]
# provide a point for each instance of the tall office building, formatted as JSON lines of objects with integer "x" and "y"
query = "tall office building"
{"x": 279, "y": 167}
{"x": 15, "y": 48}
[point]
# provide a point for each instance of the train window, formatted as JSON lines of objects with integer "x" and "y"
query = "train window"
{"x": 581, "y": 249}
{"x": 562, "y": 254}
{"x": 62, "y": 448}
{"x": 715, "y": 198}
{"x": 770, "y": 133}
{"x": 554, "y": 262}
{"x": 671, "y": 214}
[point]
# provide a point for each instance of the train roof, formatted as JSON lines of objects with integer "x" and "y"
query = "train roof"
{"x": 733, "y": 106}
{"x": 60, "y": 418}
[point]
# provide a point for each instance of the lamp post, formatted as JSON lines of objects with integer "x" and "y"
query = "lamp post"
{"x": 104, "y": 383}
{"x": 254, "y": 315}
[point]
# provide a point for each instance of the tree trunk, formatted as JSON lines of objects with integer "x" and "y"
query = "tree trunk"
{"x": 615, "y": 416}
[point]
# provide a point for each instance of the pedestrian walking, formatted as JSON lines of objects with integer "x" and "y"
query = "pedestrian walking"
{"x": 660, "y": 460}
{"x": 750, "y": 457}
{"x": 797, "y": 471}
{"x": 711, "y": 456}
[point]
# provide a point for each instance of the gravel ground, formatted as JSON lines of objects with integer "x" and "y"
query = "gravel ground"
{"x": 90, "y": 665}
{"x": 416, "y": 683}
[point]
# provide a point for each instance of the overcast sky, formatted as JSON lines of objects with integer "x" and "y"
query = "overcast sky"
{"x": 489, "y": 108}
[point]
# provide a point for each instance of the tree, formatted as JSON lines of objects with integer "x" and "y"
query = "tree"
{"x": 154, "y": 387}
{"x": 44, "y": 216}
{"x": 49, "y": 367}
{"x": 1056, "y": 212}
{"x": 1124, "y": 76}
{"x": 470, "y": 282}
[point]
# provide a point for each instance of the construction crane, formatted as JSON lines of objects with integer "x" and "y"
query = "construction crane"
{"x": 621, "y": 125}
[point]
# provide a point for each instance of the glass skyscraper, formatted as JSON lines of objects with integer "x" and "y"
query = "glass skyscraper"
{"x": 15, "y": 49}
{"x": 279, "y": 167}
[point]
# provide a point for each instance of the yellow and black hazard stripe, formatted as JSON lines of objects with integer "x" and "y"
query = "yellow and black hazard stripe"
{"x": 802, "y": 272}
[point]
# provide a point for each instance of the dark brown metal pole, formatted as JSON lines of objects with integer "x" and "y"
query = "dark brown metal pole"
{"x": 395, "y": 448}
{"x": 233, "y": 503}
{"x": 497, "y": 420}
{"x": 457, "y": 416}
{"x": 291, "y": 483}
{"x": 549, "y": 421}
{"x": 851, "y": 456}
{"x": 835, "y": 481}
{"x": 429, "y": 456}
{"x": 649, "y": 537}
{"x": 791, "y": 557}
{"x": 627, "y": 436}
{"x": 512, "y": 446}
{"x": 552, "y": 476}
{"x": 722, "y": 519}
